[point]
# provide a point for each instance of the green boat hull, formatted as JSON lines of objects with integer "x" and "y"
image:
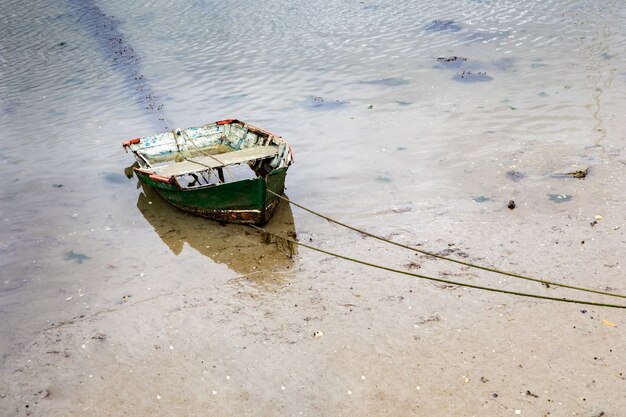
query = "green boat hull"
{"x": 245, "y": 201}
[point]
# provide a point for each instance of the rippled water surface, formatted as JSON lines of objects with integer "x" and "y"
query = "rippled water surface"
{"x": 385, "y": 133}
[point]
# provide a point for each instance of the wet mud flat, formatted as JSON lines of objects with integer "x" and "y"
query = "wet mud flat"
{"x": 242, "y": 352}
{"x": 280, "y": 333}
{"x": 134, "y": 308}
{"x": 327, "y": 338}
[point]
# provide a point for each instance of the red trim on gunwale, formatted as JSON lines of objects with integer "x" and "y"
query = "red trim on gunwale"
{"x": 130, "y": 142}
{"x": 226, "y": 122}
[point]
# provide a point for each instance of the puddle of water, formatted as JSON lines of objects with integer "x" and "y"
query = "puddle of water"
{"x": 560, "y": 198}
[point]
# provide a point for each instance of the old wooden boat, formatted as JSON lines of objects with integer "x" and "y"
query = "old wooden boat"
{"x": 222, "y": 170}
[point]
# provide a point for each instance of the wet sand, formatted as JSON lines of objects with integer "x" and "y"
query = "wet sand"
{"x": 114, "y": 303}
{"x": 245, "y": 341}
{"x": 390, "y": 346}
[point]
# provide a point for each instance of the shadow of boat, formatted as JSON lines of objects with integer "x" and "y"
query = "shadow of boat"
{"x": 242, "y": 249}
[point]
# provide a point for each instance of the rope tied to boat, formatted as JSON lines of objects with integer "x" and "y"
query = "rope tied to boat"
{"x": 440, "y": 280}
{"x": 445, "y": 258}
{"x": 547, "y": 283}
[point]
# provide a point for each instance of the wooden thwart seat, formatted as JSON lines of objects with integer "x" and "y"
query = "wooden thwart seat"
{"x": 217, "y": 161}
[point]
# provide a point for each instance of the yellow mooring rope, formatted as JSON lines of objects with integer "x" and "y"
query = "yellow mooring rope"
{"x": 545, "y": 282}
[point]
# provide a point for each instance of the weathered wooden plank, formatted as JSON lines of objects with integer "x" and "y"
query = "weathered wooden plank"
{"x": 217, "y": 161}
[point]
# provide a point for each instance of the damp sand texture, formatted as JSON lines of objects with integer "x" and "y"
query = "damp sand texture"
{"x": 112, "y": 302}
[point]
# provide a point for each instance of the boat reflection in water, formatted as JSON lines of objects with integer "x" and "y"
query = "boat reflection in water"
{"x": 243, "y": 249}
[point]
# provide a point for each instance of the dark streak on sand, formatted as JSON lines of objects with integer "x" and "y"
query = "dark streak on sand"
{"x": 107, "y": 29}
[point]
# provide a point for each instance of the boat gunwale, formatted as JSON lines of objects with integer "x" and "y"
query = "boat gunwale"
{"x": 147, "y": 162}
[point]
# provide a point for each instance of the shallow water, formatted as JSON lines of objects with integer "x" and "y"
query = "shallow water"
{"x": 384, "y": 136}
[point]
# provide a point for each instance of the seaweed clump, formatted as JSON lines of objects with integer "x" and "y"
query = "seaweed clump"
{"x": 451, "y": 61}
{"x": 447, "y": 59}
